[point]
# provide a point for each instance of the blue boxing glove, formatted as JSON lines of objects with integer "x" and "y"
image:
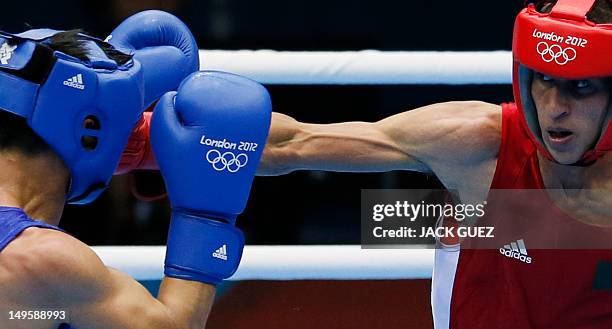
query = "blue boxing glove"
{"x": 168, "y": 53}
{"x": 208, "y": 138}
{"x": 163, "y": 45}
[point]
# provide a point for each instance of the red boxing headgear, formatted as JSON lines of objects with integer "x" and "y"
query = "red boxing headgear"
{"x": 562, "y": 44}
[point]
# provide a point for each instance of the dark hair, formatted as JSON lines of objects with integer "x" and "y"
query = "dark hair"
{"x": 15, "y": 134}
{"x": 72, "y": 43}
{"x": 601, "y": 13}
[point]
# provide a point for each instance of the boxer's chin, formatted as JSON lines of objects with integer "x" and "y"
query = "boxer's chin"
{"x": 567, "y": 156}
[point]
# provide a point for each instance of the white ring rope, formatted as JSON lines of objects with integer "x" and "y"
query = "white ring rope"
{"x": 288, "y": 262}
{"x": 363, "y": 67}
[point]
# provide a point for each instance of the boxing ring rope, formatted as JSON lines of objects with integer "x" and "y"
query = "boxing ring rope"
{"x": 363, "y": 67}
{"x": 327, "y": 262}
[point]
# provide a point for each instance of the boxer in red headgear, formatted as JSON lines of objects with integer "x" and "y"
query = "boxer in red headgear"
{"x": 563, "y": 49}
{"x": 556, "y": 272}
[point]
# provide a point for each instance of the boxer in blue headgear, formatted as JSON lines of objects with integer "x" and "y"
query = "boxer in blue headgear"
{"x": 69, "y": 102}
{"x": 84, "y": 109}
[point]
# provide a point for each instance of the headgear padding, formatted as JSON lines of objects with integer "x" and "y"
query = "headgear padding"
{"x": 84, "y": 109}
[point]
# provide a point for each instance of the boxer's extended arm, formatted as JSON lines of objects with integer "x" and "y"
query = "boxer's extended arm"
{"x": 61, "y": 273}
{"x": 426, "y": 139}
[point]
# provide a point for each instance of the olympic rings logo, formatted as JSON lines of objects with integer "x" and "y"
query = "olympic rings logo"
{"x": 227, "y": 160}
{"x": 556, "y": 53}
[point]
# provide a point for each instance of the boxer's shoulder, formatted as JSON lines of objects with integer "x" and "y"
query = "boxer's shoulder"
{"x": 462, "y": 143}
{"x": 474, "y": 116}
{"x": 455, "y": 133}
{"x": 41, "y": 266}
{"x": 481, "y": 123}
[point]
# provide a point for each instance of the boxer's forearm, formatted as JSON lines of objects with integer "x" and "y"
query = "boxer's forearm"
{"x": 279, "y": 156}
{"x": 189, "y": 302}
{"x": 347, "y": 146}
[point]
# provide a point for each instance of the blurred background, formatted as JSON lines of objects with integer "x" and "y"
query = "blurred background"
{"x": 303, "y": 207}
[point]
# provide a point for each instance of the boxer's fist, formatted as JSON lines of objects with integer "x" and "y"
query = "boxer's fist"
{"x": 208, "y": 138}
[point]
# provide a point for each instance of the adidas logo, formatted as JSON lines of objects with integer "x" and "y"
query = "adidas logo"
{"x": 516, "y": 250}
{"x": 75, "y": 82}
{"x": 221, "y": 253}
{"x": 6, "y": 52}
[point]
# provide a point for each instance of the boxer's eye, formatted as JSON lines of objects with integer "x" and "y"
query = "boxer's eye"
{"x": 544, "y": 78}
{"x": 584, "y": 87}
{"x": 579, "y": 84}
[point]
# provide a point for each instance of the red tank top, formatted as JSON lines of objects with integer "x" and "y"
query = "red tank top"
{"x": 515, "y": 286}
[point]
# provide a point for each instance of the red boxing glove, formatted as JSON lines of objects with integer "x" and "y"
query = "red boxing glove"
{"x": 138, "y": 154}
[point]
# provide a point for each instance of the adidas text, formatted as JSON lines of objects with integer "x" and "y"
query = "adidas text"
{"x": 515, "y": 254}
{"x": 74, "y": 85}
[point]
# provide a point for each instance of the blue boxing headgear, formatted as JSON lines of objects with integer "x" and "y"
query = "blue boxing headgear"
{"x": 84, "y": 109}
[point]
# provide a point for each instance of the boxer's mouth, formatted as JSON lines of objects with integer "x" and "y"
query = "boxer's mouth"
{"x": 560, "y": 135}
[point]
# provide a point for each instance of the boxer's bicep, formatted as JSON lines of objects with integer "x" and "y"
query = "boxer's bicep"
{"x": 447, "y": 135}
{"x": 121, "y": 302}
{"x": 76, "y": 282}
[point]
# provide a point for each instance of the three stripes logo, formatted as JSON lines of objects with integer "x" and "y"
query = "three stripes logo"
{"x": 516, "y": 250}
{"x": 221, "y": 253}
{"x": 75, "y": 82}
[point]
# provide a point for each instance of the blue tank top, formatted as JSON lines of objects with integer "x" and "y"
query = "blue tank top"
{"x": 13, "y": 221}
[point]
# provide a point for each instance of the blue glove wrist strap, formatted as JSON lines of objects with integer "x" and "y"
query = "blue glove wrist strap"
{"x": 202, "y": 249}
